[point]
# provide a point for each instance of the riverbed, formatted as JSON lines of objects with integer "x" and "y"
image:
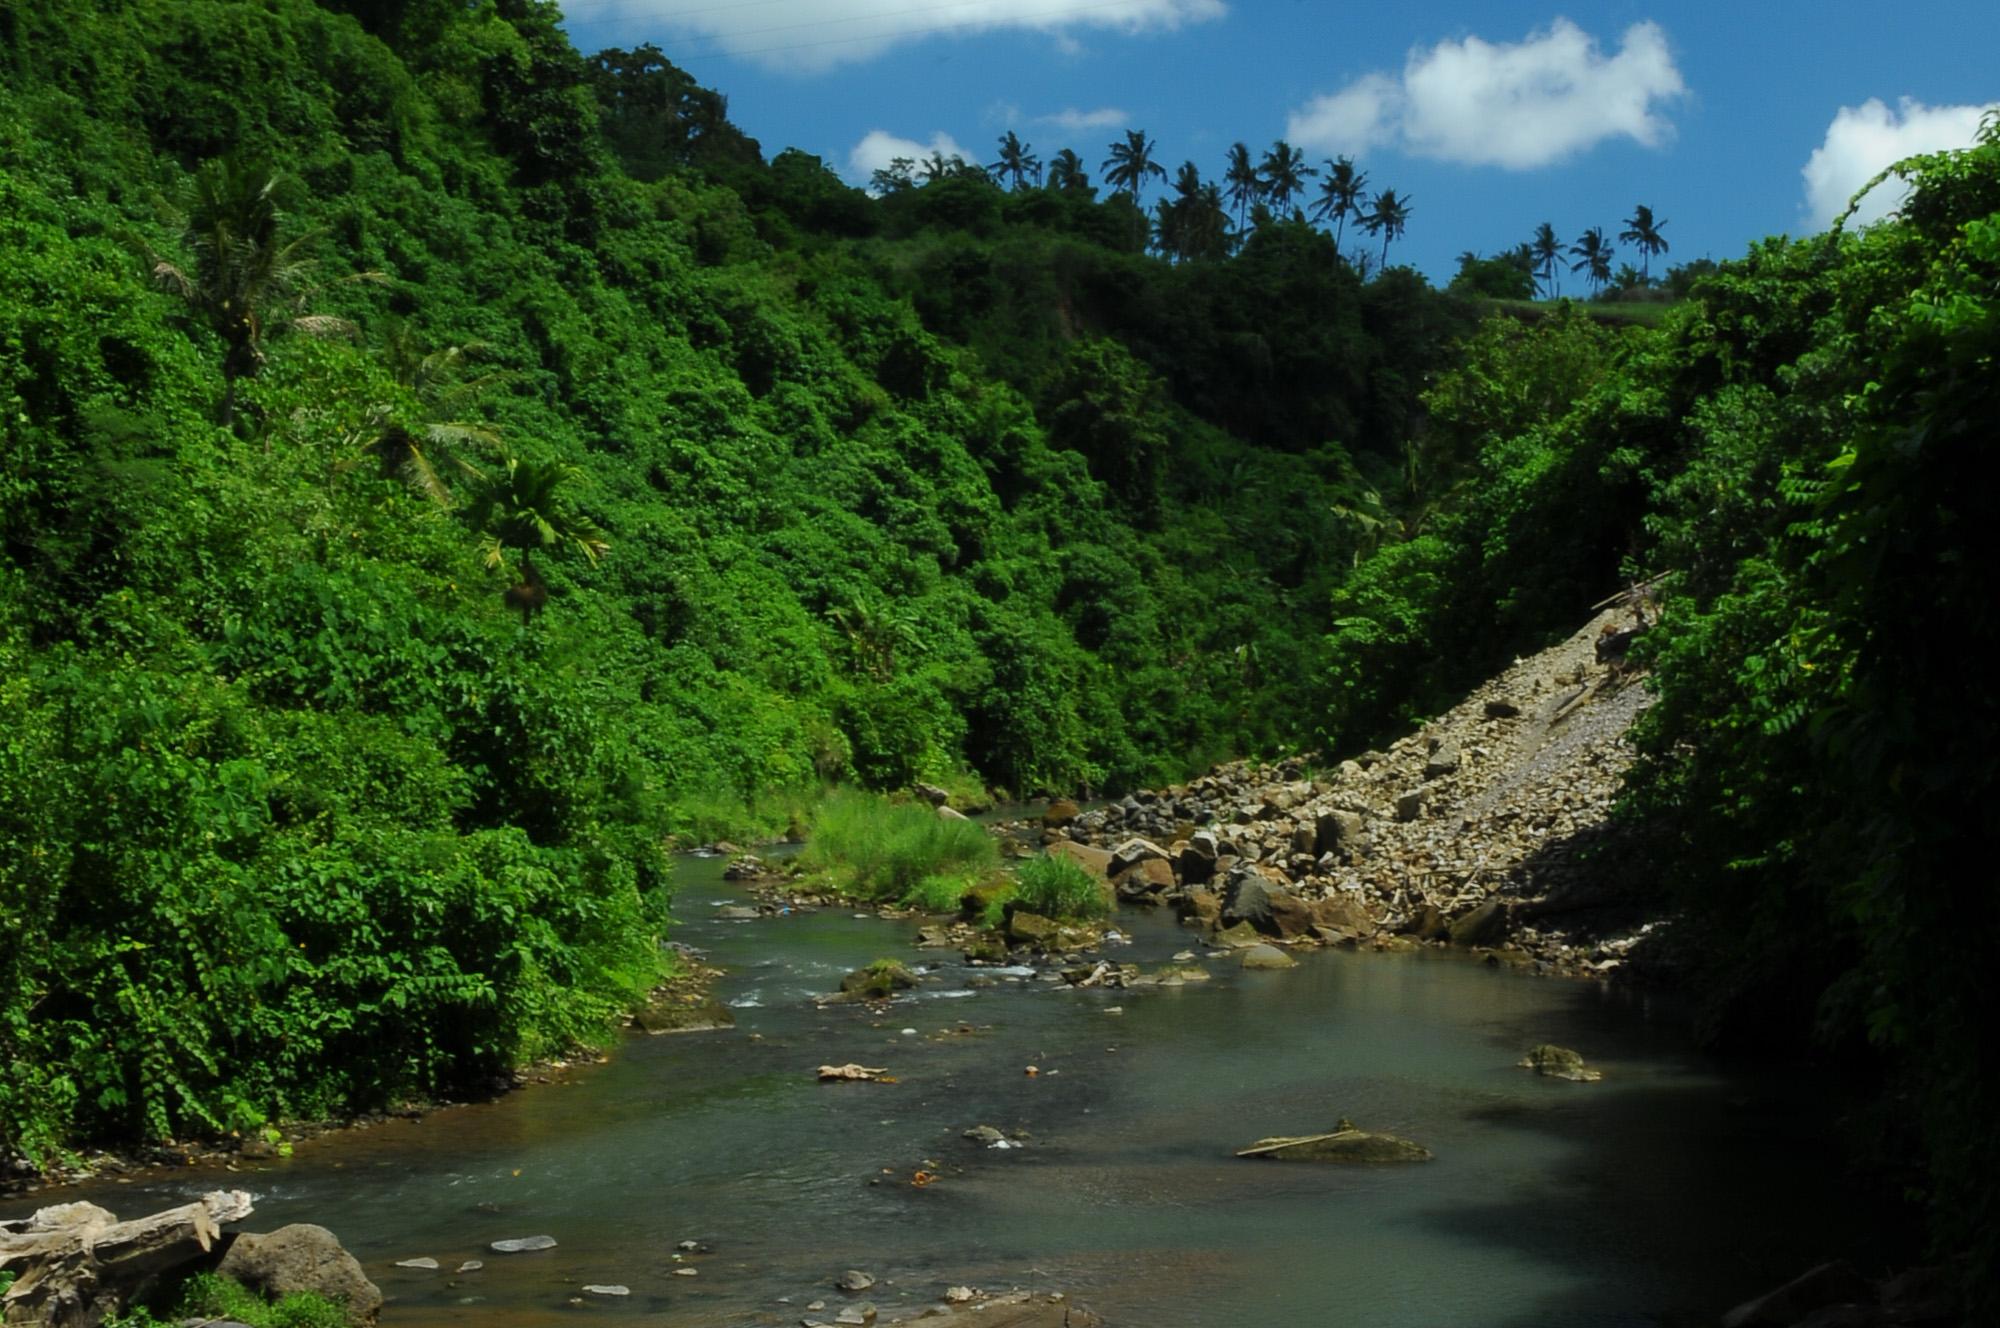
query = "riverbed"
{"x": 1661, "y": 1194}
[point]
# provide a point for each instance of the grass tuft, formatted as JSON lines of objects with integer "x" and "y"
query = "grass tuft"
{"x": 872, "y": 848}
{"x": 1059, "y": 888}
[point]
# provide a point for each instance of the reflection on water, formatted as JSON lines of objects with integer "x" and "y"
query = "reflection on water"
{"x": 1658, "y": 1195}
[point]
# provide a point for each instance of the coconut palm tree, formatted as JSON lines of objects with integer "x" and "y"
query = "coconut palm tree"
{"x": 1340, "y": 196}
{"x": 1015, "y": 160}
{"x": 1193, "y": 223}
{"x": 1644, "y": 232}
{"x": 1126, "y": 169}
{"x": 443, "y": 382}
{"x": 1066, "y": 173}
{"x": 1593, "y": 257}
{"x": 248, "y": 279}
{"x": 1243, "y": 183}
{"x": 522, "y": 507}
{"x": 1547, "y": 251}
{"x": 1388, "y": 217}
{"x": 1130, "y": 163}
{"x": 1284, "y": 173}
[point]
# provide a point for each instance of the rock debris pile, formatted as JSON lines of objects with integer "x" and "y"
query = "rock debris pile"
{"x": 1467, "y": 832}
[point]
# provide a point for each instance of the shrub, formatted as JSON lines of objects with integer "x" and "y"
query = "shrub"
{"x": 1059, "y": 888}
{"x": 206, "y": 1296}
{"x": 877, "y": 849}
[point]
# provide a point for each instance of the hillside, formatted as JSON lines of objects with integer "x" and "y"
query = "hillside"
{"x": 584, "y": 480}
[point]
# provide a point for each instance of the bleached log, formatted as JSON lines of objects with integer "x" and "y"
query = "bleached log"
{"x": 78, "y": 1265}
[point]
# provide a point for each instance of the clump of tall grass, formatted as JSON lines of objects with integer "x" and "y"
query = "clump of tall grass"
{"x": 1059, "y": 888}
{"x": 703, "y": 818}
{"x": 870, "y": 847}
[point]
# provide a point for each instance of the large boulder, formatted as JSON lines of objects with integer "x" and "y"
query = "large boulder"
{"x": 1133, "y": 852}
{"x": 1346, "y": 916}
{"x": 1247, "y": 898}
{"x": 1559, "y": 1063}
{"x": 975, "y": 902}
{"x": 1428, "y": 923}
{"x": 1335, "y": 830}
{"x": 669, "y": 1017}
{"x": 1290, "y": 915}
{"x": 878, "y": 980}
{"x": 1485, "y": 925}
{"x": 1202, "y": 906}
{"x": 1096, "y": 861}
{"x": 1144, "y": 881}
{"x": 1196, "y": 864}
{"x": 302, "y": 1257}
{"x": 1060, "y": 813}
{"x": 1267, "y": 956}
{"x": 1025, "y": 928}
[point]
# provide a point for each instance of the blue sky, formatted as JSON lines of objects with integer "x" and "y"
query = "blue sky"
{"x": 1492, "y": 117}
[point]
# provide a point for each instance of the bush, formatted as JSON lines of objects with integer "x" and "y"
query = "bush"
{"x": 1059, "y": 888}
{"x": 868, "y": 846}
{"x": 206, "y": 1296}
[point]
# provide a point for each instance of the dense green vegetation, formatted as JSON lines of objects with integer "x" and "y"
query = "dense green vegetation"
{"x": 440, "y": 470}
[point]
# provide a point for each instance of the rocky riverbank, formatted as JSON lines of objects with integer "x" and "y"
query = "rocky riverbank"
{"x": 1486, "y": 829}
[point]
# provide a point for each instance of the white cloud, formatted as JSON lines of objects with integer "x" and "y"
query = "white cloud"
{"x": 1863, "y": 140}
{"x": 874, "y": 152}
{"x": 818, "y": 34}
{"x": 1515, "y": 106}
{"x": 1074, "y": 121}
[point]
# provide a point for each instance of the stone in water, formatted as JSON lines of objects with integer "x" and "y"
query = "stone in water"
{"x": 1559, "y": 1063}
{"x": 522, "y": 1244}
{"x": 608, "y": 1290}
{"x": 854, "y": 1280}
{"x": 416, "y": 1263}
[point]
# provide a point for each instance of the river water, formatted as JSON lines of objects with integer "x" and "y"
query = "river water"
{"x": 1658, "y": 1196}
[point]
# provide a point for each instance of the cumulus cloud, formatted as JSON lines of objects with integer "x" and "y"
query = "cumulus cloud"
{"x": 1517, "y": 106}
{"x": 874, "y": 152}
{"x": 1074, "y": 121}
{"x": 817, "y": 34}
{"x": 1865, "y": 139}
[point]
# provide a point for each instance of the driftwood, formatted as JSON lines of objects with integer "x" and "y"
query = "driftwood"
{"x": 1343, "y": 1144}
{"x": 79, "y": 1265}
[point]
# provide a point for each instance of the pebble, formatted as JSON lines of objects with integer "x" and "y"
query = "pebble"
{"x": 471, "y": 1266}
{"x": 416, "y": 1263}
{"x": 607, "y": 1290}
{"x": 521, "y": 1244}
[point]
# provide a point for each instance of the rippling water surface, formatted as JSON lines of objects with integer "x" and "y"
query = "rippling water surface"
{"x": 1659, "y": 1195}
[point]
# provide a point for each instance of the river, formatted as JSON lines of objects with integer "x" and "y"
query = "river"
{"x": 1657, "y": 1196}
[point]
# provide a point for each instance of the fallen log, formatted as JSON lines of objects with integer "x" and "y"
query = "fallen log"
{"x": 79, "y": 1265}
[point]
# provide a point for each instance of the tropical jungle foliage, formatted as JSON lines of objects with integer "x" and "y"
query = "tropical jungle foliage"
{"x": 440, "y": 469}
